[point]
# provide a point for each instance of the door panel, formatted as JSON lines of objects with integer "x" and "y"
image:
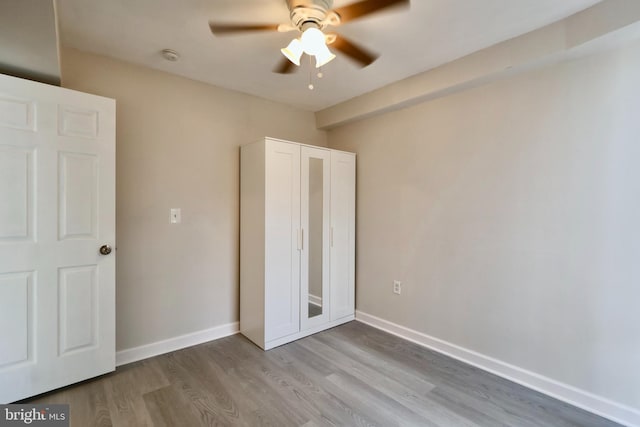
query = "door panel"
{"x": 282, "y": 258}
{"x": 17, "y": 113}
{"x": 57, "y": 293}
{"x": 16, "y": 309}
{"x": 16, "y": 193}
{"x": 77, "y": 308}
{"x": 73, "y": 121}
{"x": 343, "y": 181}
{"x": 78, "y": 196}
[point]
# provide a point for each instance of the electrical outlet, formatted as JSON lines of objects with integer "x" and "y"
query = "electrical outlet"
{"x": 397, "y": 287}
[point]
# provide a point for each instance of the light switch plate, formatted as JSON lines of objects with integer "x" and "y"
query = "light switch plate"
{"x": 175, "y": 216}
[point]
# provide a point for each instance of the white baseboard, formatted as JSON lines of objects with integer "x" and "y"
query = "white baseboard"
{"x": 315, "y": 300}
{"x": 172, "y": 344}
{"x": 598, "y": 405}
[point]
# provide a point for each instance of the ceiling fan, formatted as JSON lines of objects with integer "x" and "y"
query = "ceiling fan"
{"x": 310, "y": 18}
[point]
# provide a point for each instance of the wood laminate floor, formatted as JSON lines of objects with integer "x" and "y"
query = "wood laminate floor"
{"x": 352, "y": 375}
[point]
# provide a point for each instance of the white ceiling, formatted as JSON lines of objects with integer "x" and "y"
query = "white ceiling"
{"x": 410, "y": 41}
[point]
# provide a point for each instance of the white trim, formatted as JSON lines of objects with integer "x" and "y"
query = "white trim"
{"x": 315, "y": 300}
{"x": 598, "y": 405}
{"x": 176, "y": 343}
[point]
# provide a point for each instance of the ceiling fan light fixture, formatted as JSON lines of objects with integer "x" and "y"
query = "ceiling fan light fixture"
{"x": 293, "y": 51}
{"x": 324, "y": 57}
{"x": 310, "y": 17}
{"x": 313, "y": 41}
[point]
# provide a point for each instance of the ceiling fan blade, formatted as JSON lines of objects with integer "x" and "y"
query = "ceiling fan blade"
{"x": 355, "y": 52}
{"x": 224, "y": 29}
{"x": 285, "y": 67}
{"x": 366, "y": 7}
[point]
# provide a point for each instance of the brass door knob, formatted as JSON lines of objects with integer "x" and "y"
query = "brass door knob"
{"x": 105, "y": 249}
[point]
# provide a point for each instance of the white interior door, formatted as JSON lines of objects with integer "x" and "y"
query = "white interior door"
{"x": 315, "y": 190}
{"x": 57, "y": 208}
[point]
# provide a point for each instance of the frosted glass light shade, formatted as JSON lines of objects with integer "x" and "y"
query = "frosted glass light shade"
{"x": 293, "y": 52}
{"x": 324, "y": 56}
{"x": 313, "y": 41}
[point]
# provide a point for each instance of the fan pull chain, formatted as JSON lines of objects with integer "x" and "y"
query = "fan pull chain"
{"x": 311, "y": 87}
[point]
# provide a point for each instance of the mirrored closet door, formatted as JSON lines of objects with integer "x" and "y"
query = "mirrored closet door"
{"x": 315, "y": 235}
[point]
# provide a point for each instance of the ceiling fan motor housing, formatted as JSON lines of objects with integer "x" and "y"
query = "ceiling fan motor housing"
{"x": 305, "y": 13}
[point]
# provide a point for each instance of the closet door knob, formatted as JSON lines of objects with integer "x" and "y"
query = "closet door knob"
{"x": 105, "y": 249}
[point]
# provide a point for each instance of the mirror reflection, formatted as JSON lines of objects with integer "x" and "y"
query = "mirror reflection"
{"x": 315, "y": 236}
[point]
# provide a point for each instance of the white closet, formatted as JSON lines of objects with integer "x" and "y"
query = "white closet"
{"x": 297, "y": 244}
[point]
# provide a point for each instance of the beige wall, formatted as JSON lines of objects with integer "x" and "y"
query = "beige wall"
{"x": 511, "y": 214}
{"x": 177, "y": 146}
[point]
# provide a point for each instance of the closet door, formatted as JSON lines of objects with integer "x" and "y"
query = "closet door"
{"x": 314, "y": 244}
{"x": 282, "y": 235}
{"x": 343, "y": 207}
